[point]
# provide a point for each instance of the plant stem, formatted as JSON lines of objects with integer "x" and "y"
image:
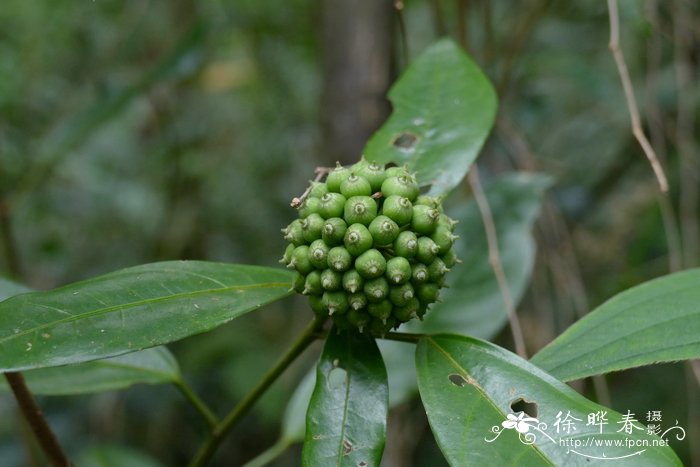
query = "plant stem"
{"x": 219, "y": 431}
{"x": 197, "y": 403}
{"x": 37, "y": 422}
{"x": 403, "y": 337}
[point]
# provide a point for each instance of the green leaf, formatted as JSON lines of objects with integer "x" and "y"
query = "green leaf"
{"x": 444, "y": 108}
{"x": 130, "y": 310}
{"x": 113, "y": 455}
{"x": 150, "y": 366}
{"x": 467, "y": 387}
{"x": 346, "y": 420}
{"x": 294, "y": 420}
{"x": 658, "y": 321}
{"x": 473, "y": 303}
{"x": 10, "y": 288}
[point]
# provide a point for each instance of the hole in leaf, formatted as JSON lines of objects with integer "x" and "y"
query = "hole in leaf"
{"x": 521, "y": 405}
{"x": 347, "y": 447}
{"x": 405, "y": 141}
{"x": 457, "y": 380}
{"x": 337, "y": 378}
{"x": 362, "y": 464}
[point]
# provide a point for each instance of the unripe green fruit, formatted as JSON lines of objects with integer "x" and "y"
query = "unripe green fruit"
{"x": 309, "y": 206}
{"x": 370, "y": 264}
{"x": 437, "y": 270}
{"x": 397, "y": 172}
{"x": 336, "y": 177}
{"x": 339, "y": 259}
{"x": 331, "y": 280}
{"x": 398, "y": 270}
{"x": 419, "y": 273}
{"x": 400, "y": 295}
{"x": 331, "y": 205}
{"x": 373, "y": 173}
{"x": 406, "y": 244}
{"x": 447, "y": 222}
{"x": 359, "y": 165}
{"x": 316, "y": 303}
{"x": 408, "y": 311}
{"x": 427, "y": 250}
{"x": 317, "y": 190}
{"x": 300, "y": 260}
{"x": 403, "y": 185}
{"x": 360, "y": 210}
{"x": 427, "y": 292}
{"x": 335, "y": 302}
{"x": 424, "y": 220}
{"x": 353, "y": 281}
{"x": 318, "y": 254}
{"x": 381, "y": 310}
{"x": 443, "y": 238}
{"x": 298, "y": 283}
{"x": 430, "y": 201}
{"x": 377, "y": 327}
{"x": 357, "y": 239}
{"x": 311, "y": 227}
{"x": 293, "y": 233}
{"x": 359, "y": 319}
{"x": 450, "y": 258}
{"x": 355, "y": 186}
{"x": 383, "y": 230}
{"x": 287, "y": 256}
{"x": 357, "y": 301}
{"x": 333, "y": 231}
{"x": 312, "y": 284}
{"x": 398, "y": 208}
{"x": 376, "y": 289}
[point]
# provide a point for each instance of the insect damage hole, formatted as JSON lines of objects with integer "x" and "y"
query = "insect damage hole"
{"x": 522, "y": 405}
{"x": 405, "y": 141}
{"x": 457, "y": 380}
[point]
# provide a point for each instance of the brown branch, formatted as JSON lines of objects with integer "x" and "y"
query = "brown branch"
{"x": 320, "y": 173}
{"x": 635, "y": 119}
{"x": 32, "y": 413}
{"x": 495, "y": 260}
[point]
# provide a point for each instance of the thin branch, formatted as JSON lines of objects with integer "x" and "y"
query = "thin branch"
{"x": 398, "y": 7}
{"x": 495, "y": 260}
{"x": 320, "y": 173}
{"x": 197, "y": 403}
{"x": 635, "y": 119}
{"x": 32, "y": 413}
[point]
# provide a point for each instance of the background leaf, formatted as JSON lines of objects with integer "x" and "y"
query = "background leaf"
{"x": 150, "y": 366}
{"x": 346, "y": 420}
{"x": 112, "y": 455}
{"x": 467, "y": 387}
{"x": 658, "y": 321}
{"x": 130, "y": 310}
{"x": 444, "y": 108}
{"x": 10, "y": 288}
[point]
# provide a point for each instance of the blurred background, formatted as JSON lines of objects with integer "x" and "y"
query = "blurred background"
{"x": 139, "y": 131}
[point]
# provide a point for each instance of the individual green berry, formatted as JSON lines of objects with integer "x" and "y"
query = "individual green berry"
{"x": 447, "y": 222}
{"x": 335, "y": 302}
{"x": 287, "y": 256}
{"x": 383, "y": 230}
{"x": 357, "y": 239}
{"x": 318, "y": 254}
{"x": 400, "y": 295}
{"x": 359, "y": 165}
{"x": 357, "y": 301}
{"x": 398, "y": 270}
{"x": 443, "y": 238}
{"x": 316, "y": 303}
{"x": 311, "y": 227}
{"x": 300, "y": 260}
{"x": 339, "y": 259}
{"x": 437, "y": 270}
{"x": 309, "y": 206}
{"x": 428, "y": 292}
{"x": 403, "y": 185}
{"x": 358, "y": 318}
{"x": 317, "y": 189}
{"x": 333, "y": 231}
{"x": 374, "y": 173}
{"x": 355, "y": 185}
{"x": 353, "y": 281}
{"x": 298, "y": 283}
{"x": 331, "y": 280}
{"x": 360, "y": 210}
{"x": 450, "y": 258}
{"x": 336, "y": 177}
{"x": 397, "y": 172}
{"x": 331, "y": 205}
{"x": 424, "y": 220}
{"x": 419, "y": 273}
{"x": 370, "y": 264}
{"x": 376, "y": 289}
{"x": 408, "y": 311}
{"x": 312, "y": 284}
{"x": 427, "y": 250}
{"x": 430, "y": 201}
{"x": 381, "y": 310}
{"x": 406, "y": 244}
{"x": 398, "y": 208}
{"x": 293, "y": 233}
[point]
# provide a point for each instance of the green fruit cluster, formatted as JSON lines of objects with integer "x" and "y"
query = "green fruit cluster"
{"x": 368, "y": 248}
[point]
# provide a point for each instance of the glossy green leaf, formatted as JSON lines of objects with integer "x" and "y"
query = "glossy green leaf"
{"x": 130, "y": 310}
{"x": 444, "y": 108}
{"x": 346, "y": 420}
{"x": 467, "y": 387}
{"x": 10, "y": 288}
{"x": 658, "y": 321}
{"x": 150, "y": 366}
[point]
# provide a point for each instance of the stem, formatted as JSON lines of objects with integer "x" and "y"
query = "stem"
{"x": 403, "y": 337}
{"x": 37, "y": 422}
{"x": 219, "y": 431}
{"x": 197, "y": 403}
